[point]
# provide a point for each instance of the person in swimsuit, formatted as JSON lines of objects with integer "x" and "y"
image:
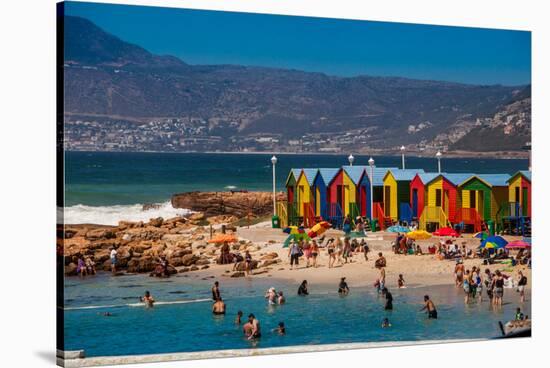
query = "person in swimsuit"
{"x": 314, "y": 253}
{"x": 271, "y": 296}
{"x": 466, "y": 287}
{"x": 216, "y": 291}
{"x": 499, "y": 289}
{"x": 459, "y": 273}
{"x": 389, "y": 299}
{"x": 247, "y": 262}
{"x": 522, "y": 282}
{"x": 343, "y": 288}
{"x": 281, "y": 329}
{"x": 113, "y": 257}
{"x": 429, "y": 307}
{"x": 347, "y": 250}
{"x": 339, "y": 250}
{"x": 238, "y": 318}
{"x": 401, "y": 281}
{"x": 147, "y": 299}
{"x": 280, "y": 298}
{"x": 218, "y": 307}
{"x": 331, "y": 253}
{"x": 302, "y": 290}
{"x": 382, "y": 279}
{"x": 366, "y": 249}
{"x": 386, "y": 323}
{"x": 256, "y": 333}
{"x": 247, "y": 329}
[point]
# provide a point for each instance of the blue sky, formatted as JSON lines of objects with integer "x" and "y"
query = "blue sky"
{"x": 331, "y": 46}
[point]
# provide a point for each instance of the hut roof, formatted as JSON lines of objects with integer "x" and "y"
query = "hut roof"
{"x": 492, "y": 180}
{"x": 379, "y": 173}
{"x": 457, "y": 178}
{"x": 406, "y": 174}
{"x": 525, "y": 173}
{"x": 327, "y": 174}
{"x": 354, "y": 172}
{"x": 310, "y": 175}
{"x": 427, "y": 177}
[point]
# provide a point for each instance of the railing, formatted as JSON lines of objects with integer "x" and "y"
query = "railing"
{"x": 282, "y": 213}
{"x": 433, "y": 215}
{"x": 335, "y": 215}
{"x": 405, "y": 212}
{"x": 469, "y": 216}
{"x": 379, "y": 214}
{"x": 309, "y": 215}
{"x": 513, "y": 212}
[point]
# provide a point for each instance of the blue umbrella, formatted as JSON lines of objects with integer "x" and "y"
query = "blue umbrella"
{"x": 398, "y": 229}
{"x": 498, "y": 240}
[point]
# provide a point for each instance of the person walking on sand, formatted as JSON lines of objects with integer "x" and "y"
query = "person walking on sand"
{"x": 429, "y": 306}
{"x": 294, "y": 253}
{"x": 382, "y": 279}
{"x": 314, "y": 253}
{"x": 522, "y": 283}
{"x": 347, "y": 249}
{"x": 307, "y": 252}
{"x": 366, "y": 249}
{"x": 331, "y": 253}
{"x": 113, "y": 257}
{"x": 216, "y": 291}
{"x": 339, "y": 250}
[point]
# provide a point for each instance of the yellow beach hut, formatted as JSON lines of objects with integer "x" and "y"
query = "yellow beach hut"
{"x": 396, "y": 193}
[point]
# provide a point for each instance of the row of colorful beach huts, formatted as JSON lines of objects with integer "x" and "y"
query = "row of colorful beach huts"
{"x": 432, "y": 200}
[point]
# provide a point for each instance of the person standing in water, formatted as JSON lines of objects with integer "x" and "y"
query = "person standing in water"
{"x": 401, "y": 281}
{"x": 147, "y": 299}
{"x": 343, "y": 288}
{"x": 280, "y": 298}
{"x": 218, "y": 307}
{"x": 389, "y": 299}
{"x": 238, "y": 318}
{"x": 216, "y": 291}
{"x": 255, "y": 333}
{"x": 429, "y": 307}
{"x": 522, "y": 282}
{"x": 113, "y": 257}
{"x": 302, "y": 290}
{"x": 459, "y": 273}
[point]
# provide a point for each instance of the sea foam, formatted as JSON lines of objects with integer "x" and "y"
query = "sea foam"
{"x": 111, "y": 215}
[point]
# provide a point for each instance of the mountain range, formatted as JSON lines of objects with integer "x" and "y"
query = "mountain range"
{"x": 110, "y": 80}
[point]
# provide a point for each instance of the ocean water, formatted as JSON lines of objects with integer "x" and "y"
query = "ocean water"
{"x": 182, "y": 320}
{"x": 105, "y": 187}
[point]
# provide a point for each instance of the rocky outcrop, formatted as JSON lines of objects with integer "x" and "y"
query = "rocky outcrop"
{"x": 239, "y": 204}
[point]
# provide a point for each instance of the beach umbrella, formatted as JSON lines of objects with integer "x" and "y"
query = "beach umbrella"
{"x": 419, "y": 234}
{"x": 498, "y": 240}
{"x": 319, "y": 229}
{"x": 518, "y": 244}
{"x": 446, "y": 231}
{"x": 490, "y": 245}
{"x": 398, "y": 229}
{"x": 293, "y": 230}
{"x": 296, "y": 237}
{"x": 481, "y": 235}
{"x": 222, "y": 238}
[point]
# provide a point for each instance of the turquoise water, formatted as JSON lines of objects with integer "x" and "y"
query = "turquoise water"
{"x": 323, "y": 317}
{"x": 110, "y": 178}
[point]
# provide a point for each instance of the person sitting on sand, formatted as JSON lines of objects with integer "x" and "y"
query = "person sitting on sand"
{"x": 401, "y": 281}
{"x": 429, "y": 307}
{"x": 343, "y": 288}
{"x": 238, "y": 318}
{"x": 218, "y": 307}
{"x": 90, "y": 266}
{"x": 256, "y": 333}
{"x": 281, "y": 330}
{"x": 148, "y": 299}
{"x": 418, "y": 251}
{"x": 302, "y": 290}
{"x": 386, "y": 323}
{"x": 280, "y": 298}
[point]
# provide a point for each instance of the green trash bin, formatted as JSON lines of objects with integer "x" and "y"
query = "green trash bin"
{"x": 491, "y": 225}
{"x": 373, "y": 225}
{"x": 275, "y": 222}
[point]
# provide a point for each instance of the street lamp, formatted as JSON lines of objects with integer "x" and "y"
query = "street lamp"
{"x": 350, "y": 159}
{"x": 438, "y": 156}
{"x": 273, "y": 162}
{"x": 371, "y": 164}
{"x": 403, "y": 157}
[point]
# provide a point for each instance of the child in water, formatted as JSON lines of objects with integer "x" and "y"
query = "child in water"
{"x": 401, "y": 282}
{"x": 386, "y": 323}
{"x": 238, "y": 318}
{"x": 281, "y": 330}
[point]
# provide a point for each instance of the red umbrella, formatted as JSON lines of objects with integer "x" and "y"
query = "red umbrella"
{"x": 446, "y": 231}
{"x": 518, "y": 244}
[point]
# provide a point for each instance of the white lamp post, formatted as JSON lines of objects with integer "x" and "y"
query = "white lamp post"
{"x": 403, "y": 157}
{"x": 274, "y": 161}
{"x": 350, "y": 159}
{"x": 438, "y": 156}
{"x": 371, "y": 164}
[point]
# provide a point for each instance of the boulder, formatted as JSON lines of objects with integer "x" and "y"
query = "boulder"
{"x": 156, "y": 222}
{"x": 193, "y": 268}
{"x": 237, "y": 274}
{"x": 205, "y": 267}
{"x": 271, "y": 255}
{"x": 70, "y": 269}
{"x": 268, "y": 262}
{"x": 185, "y": 269}
{"x": 189, "y": 259}
{"x": 241, "y": 266}
{"x": 100, "y": 234}
{"x": 202, "y": 262}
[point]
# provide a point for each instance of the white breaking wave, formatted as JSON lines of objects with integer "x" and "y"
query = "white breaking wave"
{"x": 111, "y": 215}
{"x": 141, "y": 304}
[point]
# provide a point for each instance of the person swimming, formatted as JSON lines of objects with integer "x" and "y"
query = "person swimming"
{"x": 281, "y": 330}
{"x": 218, "y": 307}
{"x": 343, "y": 288}
{"x": 386, "y": 323}
{"x": 302, "y": 290}
{"x": 147, "y": 299}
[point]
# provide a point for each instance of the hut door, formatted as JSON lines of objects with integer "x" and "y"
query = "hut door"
{"x": 446, "y": 202}
{"x": 339, "y": 195}
{"x": 415, "y": 202}
{"x": 525, "y": 202}
{"x": 481, "y": 204}
{"x": 516, "y": 196}
{"x": 472, "y": 199}
{"x": 363, "y": 200}
{"x": 387, "y": 200}
{"x": 301, "y": 200}
{"x": 290, "y": 195}
{"x": 438, "y": 197}
{"x": 317, "y": 202}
